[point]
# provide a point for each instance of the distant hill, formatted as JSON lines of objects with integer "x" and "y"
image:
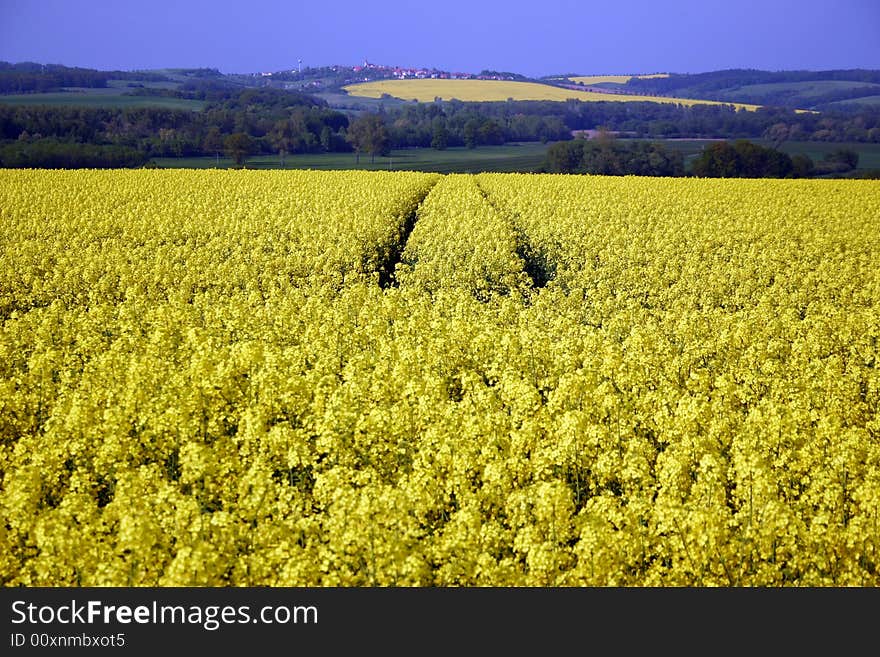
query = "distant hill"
{"x": 30, "y": 77}
{"x": 496, "y": 90}
{"x": 29, "y": 83}
{"x": 816, "y": 90}
{"x": 58, "y": 116}
{"x": 842, "y": 90}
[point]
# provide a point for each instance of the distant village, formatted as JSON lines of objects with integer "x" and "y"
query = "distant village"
{"x": 368, "y": 71}
{"x": 401, "y": 73}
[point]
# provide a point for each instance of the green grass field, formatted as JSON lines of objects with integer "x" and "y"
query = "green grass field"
{"x": 108, "y": 97}
{"x": 864, "y": 100}
{"x": 127, "y": 84}
{"x": 869, "y": 154}
{"x": 358, "y": 103}
{"x": 514, "y": 157}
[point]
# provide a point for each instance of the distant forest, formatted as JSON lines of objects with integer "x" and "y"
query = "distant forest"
{"x": 29, "y": 77}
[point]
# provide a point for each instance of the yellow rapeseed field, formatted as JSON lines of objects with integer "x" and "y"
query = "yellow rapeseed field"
{"x": 618, "y": 79}
{"x": 500, "y": 90}
{"x": 304, "y": 378}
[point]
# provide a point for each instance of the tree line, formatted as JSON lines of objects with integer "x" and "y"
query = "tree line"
{"x": 29, "y": 77}
{"x": 550, "y": 120}
{"x": 648, "y": 120}
{"x": 606, "y": 155}
{"x": 248, "y": 122}
{"x": 272, "y": 122}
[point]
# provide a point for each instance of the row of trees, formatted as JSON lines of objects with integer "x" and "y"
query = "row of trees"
{"x": 740, "y": 159}
{"x": 265, "y": 121}
{"x": 442, "y": 125}
{"x": 743, "y": 159}
{"x": 649, "y": 120}
{"x": 51, "y": 154}
{"x": 608, "y": 156}
{"x": 377, "y": 133}
{"x": 294, "y": 126}
{"x": 418, "y": 124}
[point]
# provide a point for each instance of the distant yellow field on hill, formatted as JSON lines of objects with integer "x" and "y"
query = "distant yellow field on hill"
{"x": 427, "y": 90}
{"x": 619, "y": 79}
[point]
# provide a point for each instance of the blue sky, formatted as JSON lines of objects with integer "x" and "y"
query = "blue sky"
{"x": 540, "y": 37}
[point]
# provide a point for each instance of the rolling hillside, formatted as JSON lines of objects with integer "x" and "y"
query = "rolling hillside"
{"x": 494, "y": 90}
{"x": 815, "y": 90}
{"x": 590, "y": 80}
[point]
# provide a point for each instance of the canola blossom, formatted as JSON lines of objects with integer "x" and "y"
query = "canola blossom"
{"x": 428, "y": 89}
{"x": 303, "y": 378}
